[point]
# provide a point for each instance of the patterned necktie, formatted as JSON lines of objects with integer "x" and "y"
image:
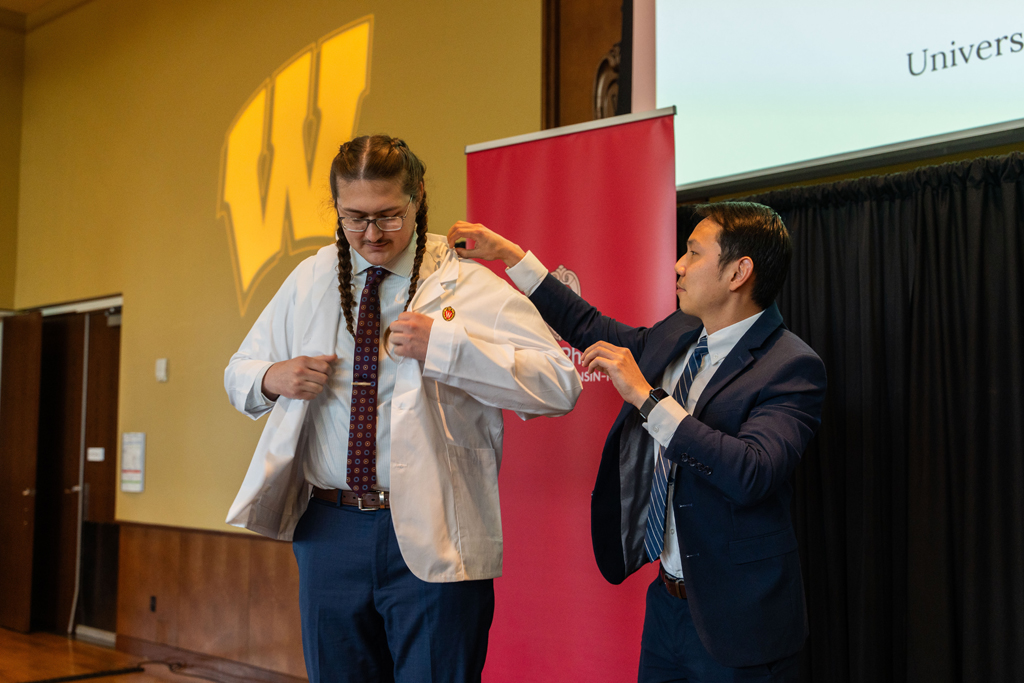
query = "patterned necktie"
{"x": 362, "y": 429}
{"x": 654, "y": 541}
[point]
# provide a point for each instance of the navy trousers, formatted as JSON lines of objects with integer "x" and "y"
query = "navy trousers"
{"x": 671, "y": 651}
{"x": 366, "y": 618}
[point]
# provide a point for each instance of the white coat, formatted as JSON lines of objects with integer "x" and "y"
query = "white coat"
{"x": 446, "y": 424}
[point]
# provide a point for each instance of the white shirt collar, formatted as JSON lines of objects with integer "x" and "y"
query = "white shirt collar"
{"x": 721, "y": 342}
{"x": 402, "y": 267}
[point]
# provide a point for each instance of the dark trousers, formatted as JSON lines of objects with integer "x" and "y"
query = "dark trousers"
{"x": 366, "y": 618}
{"x": 671, "y": 651}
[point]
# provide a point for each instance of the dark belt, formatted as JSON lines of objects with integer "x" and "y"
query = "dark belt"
{"x": 371, "y": 500}
{"x": 674, "y": 586}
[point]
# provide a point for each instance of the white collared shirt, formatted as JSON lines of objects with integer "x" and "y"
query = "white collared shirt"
{"x": 666, "y": 416}
{"x": 327, "y": 423}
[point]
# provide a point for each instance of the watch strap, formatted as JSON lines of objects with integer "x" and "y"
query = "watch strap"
{"x": 654, "y": 398}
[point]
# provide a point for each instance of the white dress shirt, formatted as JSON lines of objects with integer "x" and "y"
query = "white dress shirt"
{"x": 329, "y": 412}
{"x": 666, "y": 416}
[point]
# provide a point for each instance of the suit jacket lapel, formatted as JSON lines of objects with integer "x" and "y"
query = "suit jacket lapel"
{"x": 740, "y": 356}
{"x": 658, "y": 355}
{"x": 635, "y": 465}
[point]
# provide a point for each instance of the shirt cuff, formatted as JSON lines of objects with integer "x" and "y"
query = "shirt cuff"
{"x": 528, "y": 273}
{"x": 256, "y": 400}
{"x": 664, "y": 420}
{"x": 440, "y": 348}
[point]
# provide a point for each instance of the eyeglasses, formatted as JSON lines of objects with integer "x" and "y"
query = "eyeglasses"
{"x": 384, "y": 223}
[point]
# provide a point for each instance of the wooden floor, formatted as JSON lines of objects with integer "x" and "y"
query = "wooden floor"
{"x": 42, "y": 656}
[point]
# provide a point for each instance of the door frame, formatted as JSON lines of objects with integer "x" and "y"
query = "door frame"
{"x": 93, "y": 305}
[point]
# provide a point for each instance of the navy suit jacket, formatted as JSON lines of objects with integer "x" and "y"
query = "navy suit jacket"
{"x": 735, "y": 458}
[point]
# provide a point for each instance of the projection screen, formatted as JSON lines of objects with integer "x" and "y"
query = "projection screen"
{"x": 769, "y": 85}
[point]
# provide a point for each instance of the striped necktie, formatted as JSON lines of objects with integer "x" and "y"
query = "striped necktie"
{"x": 655, "y": 538}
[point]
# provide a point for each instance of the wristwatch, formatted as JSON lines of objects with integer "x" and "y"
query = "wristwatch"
{"x": 653, "y": 399}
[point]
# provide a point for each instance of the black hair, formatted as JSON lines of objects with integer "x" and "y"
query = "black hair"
{"x": 753, "y": 230}
{"x": 378, "y": 157}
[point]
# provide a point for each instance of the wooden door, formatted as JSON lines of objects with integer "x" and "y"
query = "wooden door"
{"x": 59, "y": 461}
{"x": 101, "y": 415}
{"x": 97, "y": 595}
{"x": 20, "y": 364}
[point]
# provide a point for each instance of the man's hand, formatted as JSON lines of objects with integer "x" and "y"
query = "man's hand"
{"x": 410, "y": 335}
{"x": 621, "y": 368}
{"x": 487, "y": 244}
{"x": 302, "y": 377}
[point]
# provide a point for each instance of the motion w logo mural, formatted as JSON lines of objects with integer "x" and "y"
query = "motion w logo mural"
{"x": 277, "y": 154}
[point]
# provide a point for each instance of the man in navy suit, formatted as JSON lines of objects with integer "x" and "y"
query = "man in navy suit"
{"x": 720, "y": 402}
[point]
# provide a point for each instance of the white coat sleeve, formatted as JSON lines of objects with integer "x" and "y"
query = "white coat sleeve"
{"x": 268, "y": 342}
{"x": 520, "y": 369}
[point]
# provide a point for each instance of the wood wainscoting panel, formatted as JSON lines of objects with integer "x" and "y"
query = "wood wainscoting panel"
{"x": 220, "y": 595}
{"x": 213, "y": 610}
{"x": 148, "y": 583}
{"x": 275, "y": 629}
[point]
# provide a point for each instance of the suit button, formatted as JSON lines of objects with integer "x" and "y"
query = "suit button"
{"x": 693, "y": 463}
{"x": 708, "y": 470}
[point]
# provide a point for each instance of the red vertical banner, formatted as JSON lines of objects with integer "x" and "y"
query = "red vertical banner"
{"x": 596, "y": 204}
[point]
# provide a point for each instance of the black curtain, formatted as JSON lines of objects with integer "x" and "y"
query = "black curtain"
{"x": 909, "y": 504}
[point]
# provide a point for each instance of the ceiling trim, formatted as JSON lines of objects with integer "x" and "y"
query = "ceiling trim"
{"x": 15, "y": 21}
{"x": 50, "y": 11}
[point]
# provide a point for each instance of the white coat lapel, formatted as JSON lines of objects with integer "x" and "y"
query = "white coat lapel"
{"x": 321, "y": 329}
{"x": 438, "y": 274}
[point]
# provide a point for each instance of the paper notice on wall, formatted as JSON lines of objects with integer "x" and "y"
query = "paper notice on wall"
{"x": 133, "y": 461}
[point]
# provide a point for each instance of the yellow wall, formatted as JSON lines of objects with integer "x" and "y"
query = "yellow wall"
{"x": 12, "y": 47}
{"x": 126, "y": 107}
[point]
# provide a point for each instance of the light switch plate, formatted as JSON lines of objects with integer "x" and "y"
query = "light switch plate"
{"x": 161, "y": 369}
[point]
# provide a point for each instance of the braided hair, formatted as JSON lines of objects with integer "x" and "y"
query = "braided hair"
{"x": 378, "y": 157}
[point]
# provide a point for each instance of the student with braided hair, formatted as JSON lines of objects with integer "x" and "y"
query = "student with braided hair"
{"x": 380, "y": 455}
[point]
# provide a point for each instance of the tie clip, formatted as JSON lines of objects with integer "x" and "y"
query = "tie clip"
{"x": 362, "y": 384}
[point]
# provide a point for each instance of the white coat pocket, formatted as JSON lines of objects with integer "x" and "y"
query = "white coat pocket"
{"x": 474, "y": 476}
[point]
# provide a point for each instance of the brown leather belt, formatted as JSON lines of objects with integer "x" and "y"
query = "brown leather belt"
{"x": 372, "y": 500}
{"x": 674, "y": 586}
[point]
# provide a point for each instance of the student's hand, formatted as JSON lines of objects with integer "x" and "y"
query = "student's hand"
{"x": 622, "y": 370}
{"x": 487, "y": 244}
{"x": 410, "y": 335}
{"x": 302, "y": 377}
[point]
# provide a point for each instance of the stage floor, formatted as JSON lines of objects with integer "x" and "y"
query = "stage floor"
{"x": 41, "y": 656}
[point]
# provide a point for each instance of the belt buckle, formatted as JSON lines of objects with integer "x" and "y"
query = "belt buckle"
{"x": 380, "y": 501}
